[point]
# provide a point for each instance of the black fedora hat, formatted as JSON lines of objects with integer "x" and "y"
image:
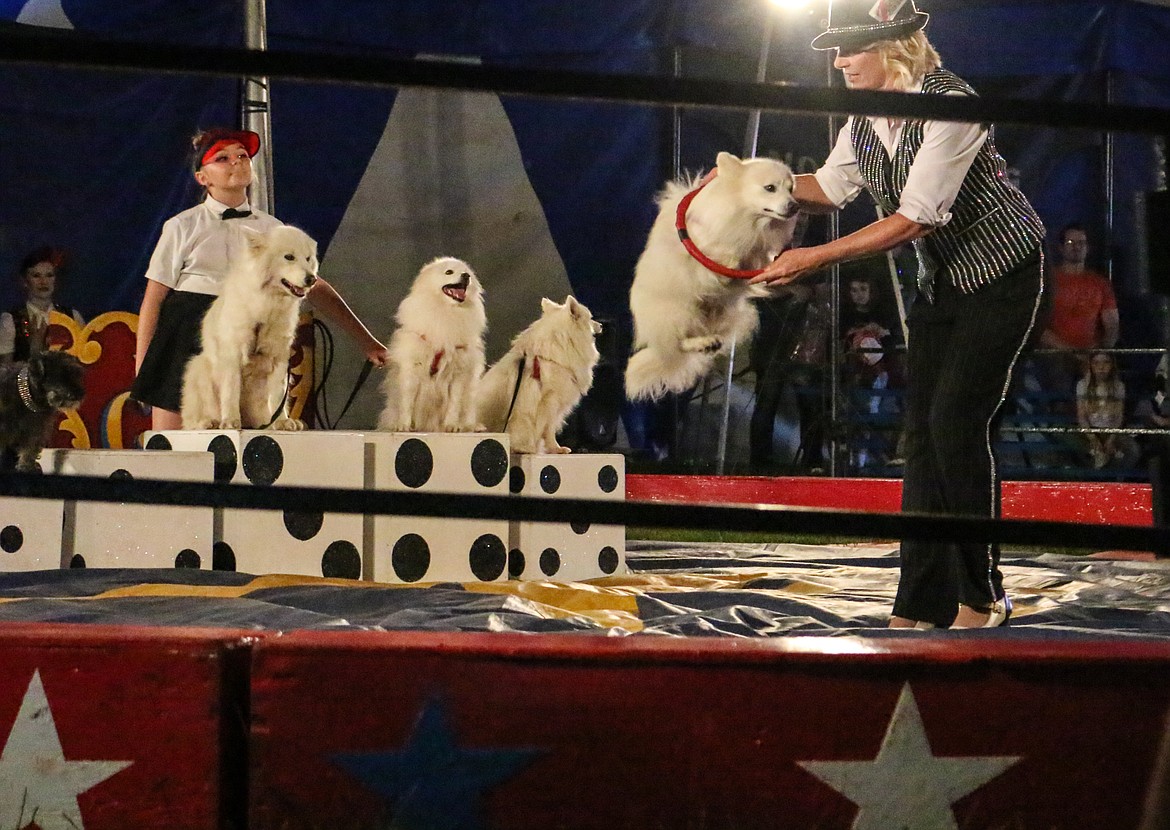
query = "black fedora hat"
{"x": 861, "y": 22}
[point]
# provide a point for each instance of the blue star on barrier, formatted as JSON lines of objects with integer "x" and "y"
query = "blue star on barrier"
{"x": 432, "y": 783}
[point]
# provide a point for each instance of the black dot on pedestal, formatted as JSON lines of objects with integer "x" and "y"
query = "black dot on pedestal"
{"x": 410, "y": 558}
{"x": 158, "y": 442}
{"x": 303, "y": 526}
{"x": 489, "y": 462}
{"x": 580, "y": 528}
{"x": 121, "y": 475}
{"x": 515, "y": 563}
{"x": 78, "y": 561}
{"x": 223, "y": 558}
{"x": 607, "y": 478}
{"x": 413, "y": 463}
{"x": 515, "y": 480}
{"x": 488, "y": 557}
{"x": 550, "y": 479}
{"x": 263, "y": 462}
{"x": 11, "y": 539}
{"x": 187, "y": 558}
{"x": 550, "y": 561}
{"x": 224, "y": 452}
{"x": 341, "y": 560}
{"x": 607, "y": 560}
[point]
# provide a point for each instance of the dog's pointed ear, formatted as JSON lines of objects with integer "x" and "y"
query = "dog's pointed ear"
{"x": 728, "y": 164}
{"x": 256, "y": 239}
{"x": 573, "y": 306}
{"x": 547, "y": 305}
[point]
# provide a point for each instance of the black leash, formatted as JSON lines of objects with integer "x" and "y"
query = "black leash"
{"x": 283, "y": 400}
{"x": 515, "y": 391}
{"x": 362, "y": 375}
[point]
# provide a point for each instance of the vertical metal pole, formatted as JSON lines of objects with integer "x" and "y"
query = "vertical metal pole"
{"x": 834, "y": 308}
{"x": 680, "y": 413}
{"x": 751, "y": 141}
{"x": 1109, "y": 174}
{"x": 676, "y": 123}
{"x": 254, "y": 107}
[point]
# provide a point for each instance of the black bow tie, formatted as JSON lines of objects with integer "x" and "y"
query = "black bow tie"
{"x": 232, "y": 213}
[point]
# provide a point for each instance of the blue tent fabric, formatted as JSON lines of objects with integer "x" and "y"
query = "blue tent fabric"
{"x": 95, "y": 160}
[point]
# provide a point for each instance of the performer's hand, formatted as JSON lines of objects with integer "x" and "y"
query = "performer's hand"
{"x": 378, "y": 355}
{"x": 791, "y": 265}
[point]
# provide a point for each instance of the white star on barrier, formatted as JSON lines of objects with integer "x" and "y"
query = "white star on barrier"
{"x": 906, "y": 786}
{"x": 37, "y": 784}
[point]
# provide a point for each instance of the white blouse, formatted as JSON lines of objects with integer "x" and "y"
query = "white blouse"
{"x": 195, "y": 246}
{"x": 937, "y": 173}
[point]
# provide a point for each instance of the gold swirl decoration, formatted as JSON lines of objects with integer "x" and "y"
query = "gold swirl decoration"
{"x": 72, "y": 424}
{"x": 103, "y": 418}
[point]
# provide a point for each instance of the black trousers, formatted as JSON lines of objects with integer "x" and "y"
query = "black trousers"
{"x": 962, "y": 353}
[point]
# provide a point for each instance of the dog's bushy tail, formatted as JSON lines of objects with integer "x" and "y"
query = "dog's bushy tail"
{"x": 651, "y": 374}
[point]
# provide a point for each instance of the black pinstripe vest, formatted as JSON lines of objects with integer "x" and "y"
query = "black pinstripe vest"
{"x": 993, "y": 227}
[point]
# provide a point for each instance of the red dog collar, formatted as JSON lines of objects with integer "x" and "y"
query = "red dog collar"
{"x": 680, "y": 224}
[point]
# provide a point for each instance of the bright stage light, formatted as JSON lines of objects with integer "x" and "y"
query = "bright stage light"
{"x": 790, "y": 4}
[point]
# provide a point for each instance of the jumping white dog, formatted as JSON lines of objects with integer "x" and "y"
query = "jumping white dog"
{"x": 240, "y": 378}
{"x": 684, "y": 312}
{"x": 436, "y": 353}
{"x": 533, "y": 388}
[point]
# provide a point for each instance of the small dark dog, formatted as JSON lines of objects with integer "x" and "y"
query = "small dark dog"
{"x": 31, "y": 394}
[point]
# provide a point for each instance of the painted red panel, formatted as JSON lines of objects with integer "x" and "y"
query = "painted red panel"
{"x": 514, "y": 731}
{"x": 115, "y": 728}
{"x": 1061, "y": 501}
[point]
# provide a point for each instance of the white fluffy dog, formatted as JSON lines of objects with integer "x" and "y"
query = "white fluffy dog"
{"x": 240, "y": 378}
{"x": 684, "y": 313}
{"x": 436, "y": 353}
{"x": 532, "y": 389}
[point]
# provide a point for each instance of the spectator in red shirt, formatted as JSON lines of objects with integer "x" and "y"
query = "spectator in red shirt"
{"x": 1083, "y": 315}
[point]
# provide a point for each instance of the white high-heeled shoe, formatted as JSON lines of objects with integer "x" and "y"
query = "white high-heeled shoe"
{"x": 997, "y": 615}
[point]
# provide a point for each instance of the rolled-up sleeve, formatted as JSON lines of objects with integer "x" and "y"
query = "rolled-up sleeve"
{"x": 839, "y": 177}
{"x": 937, "y": 173}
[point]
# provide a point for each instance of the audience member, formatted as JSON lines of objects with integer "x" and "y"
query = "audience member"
{"x": 790, "y": 351}
{"x": 871, "y": 361}
{"x": 22, "y": 328}
{"x": 1082, "y": 317}
{"x": 1101, "y": 405}
{"x": 1154, "y": 411}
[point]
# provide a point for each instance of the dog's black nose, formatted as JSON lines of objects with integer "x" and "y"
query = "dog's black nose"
{"x": 311, "y": 279}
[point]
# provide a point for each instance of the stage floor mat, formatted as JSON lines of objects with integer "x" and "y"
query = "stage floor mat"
{"x": 672, "y": 589}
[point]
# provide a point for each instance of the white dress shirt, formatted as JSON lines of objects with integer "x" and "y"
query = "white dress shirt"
{"x": 195, "y": 246}
{"x": 937, "y": 173}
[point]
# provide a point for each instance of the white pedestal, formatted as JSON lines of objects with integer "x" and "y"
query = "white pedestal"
{"x": 30, "y": 534}
{"x": 567, "y": 552}
{"x": 98, "y": 534}
{"x": 270, "y": 541}
{"x": 437, "y": 549}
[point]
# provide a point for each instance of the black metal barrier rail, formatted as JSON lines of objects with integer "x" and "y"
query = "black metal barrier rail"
{"x": 82, "y": 51}
{"x": 762, "y": 518}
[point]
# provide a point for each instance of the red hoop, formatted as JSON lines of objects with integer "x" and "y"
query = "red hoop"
{"x": 680, "y": 224}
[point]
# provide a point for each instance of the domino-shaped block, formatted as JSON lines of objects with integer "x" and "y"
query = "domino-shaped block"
{"x": 567, "y": 552}
{"x": 406, "y": 549}
{"x": 30, "y": 533}
{"x": 99, "y": 534}
{"x": 270, "y": 541}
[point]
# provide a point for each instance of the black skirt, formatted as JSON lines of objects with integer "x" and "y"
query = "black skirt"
{"x": 176, "y": 340}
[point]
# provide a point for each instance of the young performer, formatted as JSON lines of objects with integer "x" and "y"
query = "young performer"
{"x": 188, "y": 267}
